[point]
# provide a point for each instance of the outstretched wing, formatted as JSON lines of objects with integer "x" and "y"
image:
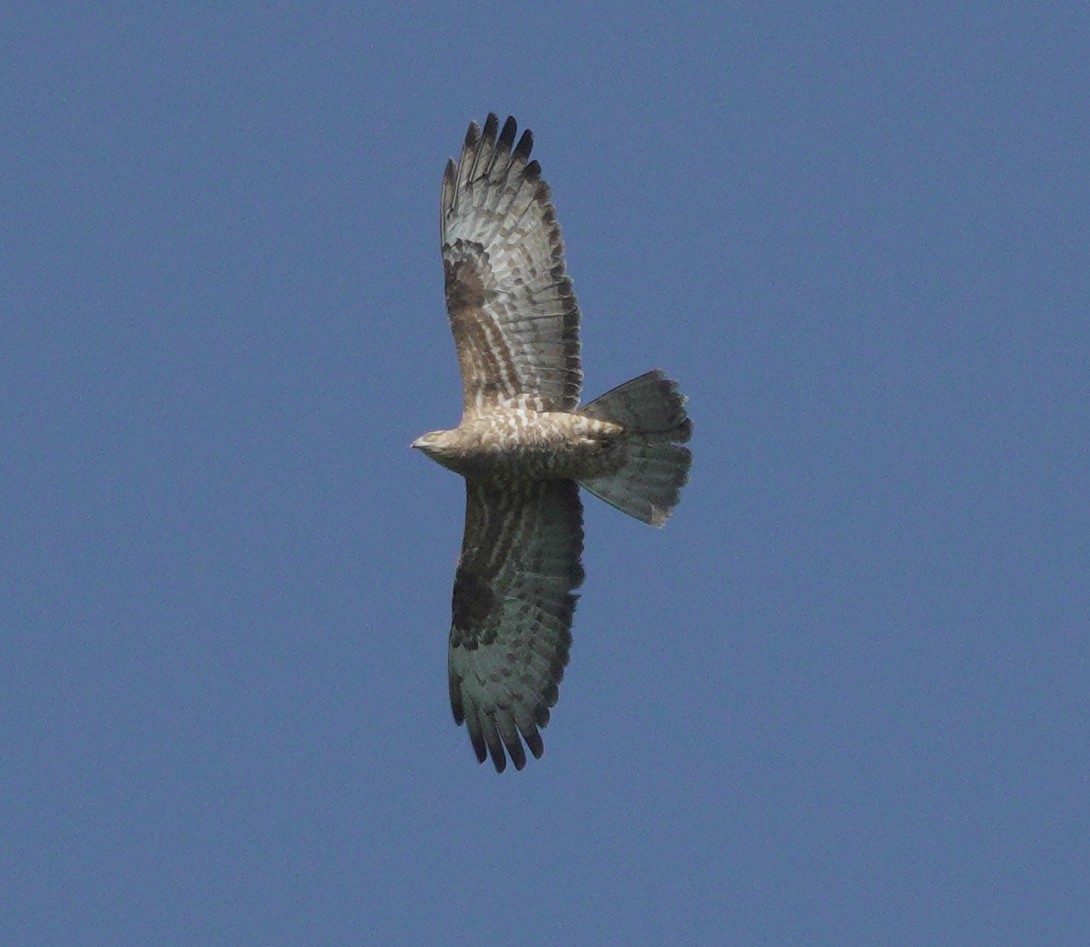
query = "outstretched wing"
{"x": 513, "y": 604}
{"x": 512, "y": 309}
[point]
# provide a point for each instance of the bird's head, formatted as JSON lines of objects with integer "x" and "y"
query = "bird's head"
{"x": 438, "y": 445}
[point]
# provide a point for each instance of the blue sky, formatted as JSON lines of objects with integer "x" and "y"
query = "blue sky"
{"x": 841, "y": 699}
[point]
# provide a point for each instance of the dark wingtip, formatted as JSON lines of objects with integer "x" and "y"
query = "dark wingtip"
{"x": 507, "y": 136}
{"x": 478, "y": 746}
{"x": 473, "y": 134}
{"x": 535, "y": 743}
{"x": 517, "y": 754}
{"x": 490, "y": 125}
{"x": 525, "y": 145}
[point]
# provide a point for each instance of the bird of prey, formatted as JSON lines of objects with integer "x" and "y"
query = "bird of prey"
{"x": 524, "y": 446}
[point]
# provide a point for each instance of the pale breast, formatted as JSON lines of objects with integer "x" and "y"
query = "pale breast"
{"x": 533, "y": 445}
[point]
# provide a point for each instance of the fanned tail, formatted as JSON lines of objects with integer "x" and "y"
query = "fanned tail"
{"x": 655, "y": 467}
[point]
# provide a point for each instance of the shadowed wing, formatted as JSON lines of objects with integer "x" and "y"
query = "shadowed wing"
{"x": 511, "y": 305}
{"x": 512, "y": 611}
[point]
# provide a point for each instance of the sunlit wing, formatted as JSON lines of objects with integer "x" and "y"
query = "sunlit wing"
{"x": 512, "y": 308}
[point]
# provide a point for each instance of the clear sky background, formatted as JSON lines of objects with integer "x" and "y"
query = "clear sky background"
{"x": 841, "y": 699}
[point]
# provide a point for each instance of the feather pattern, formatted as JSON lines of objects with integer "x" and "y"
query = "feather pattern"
{"x": 512, "y": 309}
{"x": 514, "y": 598}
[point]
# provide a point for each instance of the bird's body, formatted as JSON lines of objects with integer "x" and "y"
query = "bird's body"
{"x": 528, "y": 444}
{"x": 524, "y": 446}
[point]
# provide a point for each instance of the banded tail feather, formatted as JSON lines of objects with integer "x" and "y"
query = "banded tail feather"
{"x": 655, "y": 466}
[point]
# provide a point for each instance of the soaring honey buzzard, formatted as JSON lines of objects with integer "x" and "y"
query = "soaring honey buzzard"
{"x": 524, "y": 446}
